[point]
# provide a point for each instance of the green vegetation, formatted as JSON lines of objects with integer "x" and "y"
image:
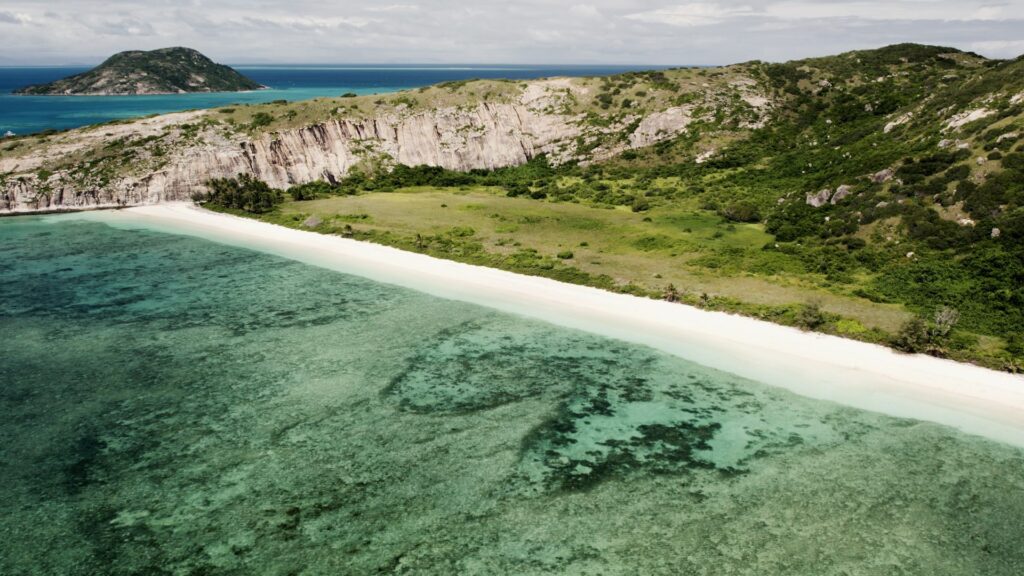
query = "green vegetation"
{"x": 244, "y": 193}
{"x": 882, "y": 263}
{"x": 865, "y": 204}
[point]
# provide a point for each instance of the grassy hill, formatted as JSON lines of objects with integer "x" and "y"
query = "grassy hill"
{"x": 923, "y": 143}
{"x": 167, "y": 70}
{"x": 877, "y": 194}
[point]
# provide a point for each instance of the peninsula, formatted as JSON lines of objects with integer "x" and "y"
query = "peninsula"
{"x": 873, "y": 195}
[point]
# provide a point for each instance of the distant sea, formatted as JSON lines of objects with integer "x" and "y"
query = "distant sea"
{"x": 28, "y": 114}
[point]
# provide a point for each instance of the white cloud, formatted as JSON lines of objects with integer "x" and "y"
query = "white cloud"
{"x": 585, "y": 11}
{"x": 121, "y": 27}
{"x": 689, "y": 15}
{"x": 14, "y": 18}
{"x": 394, "y": 8}
{"x": 894, "y": 10}
{"x": 499, "y": 31}
{"x": 1007, "y": 47}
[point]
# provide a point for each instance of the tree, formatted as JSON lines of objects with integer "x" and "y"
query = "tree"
{"x": 914, "y": 337}
{"x": 918, "y": 335}
{"x": 245, "y": 192}
{"x": 946, "y": 319}
{"x": 810, "y": 316}
{"x": 671, "y": 293}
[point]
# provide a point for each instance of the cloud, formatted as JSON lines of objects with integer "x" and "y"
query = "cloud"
{"x": 14, "y": 18}
{"x": 394, "y": 8}
{"x": 893, "y": 10}
{"x": 690, "y": 15}
{"x": 707, "y": 14}
{"x": 122, "y": 27}
{"x": 676, "y": 32}
{"x": 1008, "y": 47}
{"x": 303, "y": 23}
{"x": 585, "y": 11}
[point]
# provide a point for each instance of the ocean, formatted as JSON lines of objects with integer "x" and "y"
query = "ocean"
{"x": 28, "y": 114}
{"x": 170, "y": 405}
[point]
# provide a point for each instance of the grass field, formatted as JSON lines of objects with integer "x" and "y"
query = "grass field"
{"x": 695, "y": 250}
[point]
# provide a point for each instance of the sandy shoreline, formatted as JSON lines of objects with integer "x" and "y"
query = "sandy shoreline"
{"x": 860, "y": 375}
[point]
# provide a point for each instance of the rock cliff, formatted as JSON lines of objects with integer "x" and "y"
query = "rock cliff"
{"x": 171, "y": 157}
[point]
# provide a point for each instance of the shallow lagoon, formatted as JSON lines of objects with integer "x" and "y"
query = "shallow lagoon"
{"x": 170, "y": 405}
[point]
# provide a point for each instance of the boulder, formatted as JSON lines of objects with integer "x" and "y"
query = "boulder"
{"x": 312, "y": 222}
{"x": 883, "y": 176}
{"x": 820, "y": 199}
{"x": 841, "y": 193}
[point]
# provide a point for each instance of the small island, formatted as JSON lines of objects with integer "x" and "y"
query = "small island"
{"x": 164, "y": 71}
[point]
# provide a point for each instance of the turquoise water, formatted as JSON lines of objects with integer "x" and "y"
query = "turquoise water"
{"x": 174, "y": 406}
{"x": 28, "y": 114}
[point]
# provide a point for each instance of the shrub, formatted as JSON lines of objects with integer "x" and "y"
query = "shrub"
{"x": 311, "y": 190}
{"x": 810, "y": 316}
{"x": 640, "y": 205}
{"x": 242, "y": 193}
{"x": 741, "y": 211}
{"x": 913, "y": 337}
{"x": 261, "y": 119}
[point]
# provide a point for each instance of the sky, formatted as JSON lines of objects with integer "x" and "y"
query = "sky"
{"x": 708, "y": 32}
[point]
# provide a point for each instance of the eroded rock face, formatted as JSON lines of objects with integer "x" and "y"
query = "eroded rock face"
{"x": 484, "y": 135}
{"x": 487, "y": 136}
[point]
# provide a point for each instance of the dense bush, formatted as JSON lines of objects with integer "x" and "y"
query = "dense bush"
{"x": 242, "y": 193}
{"x": 311, "y": 191}
{"x": 741, "y": 211}
{"x": 261, "y": 119}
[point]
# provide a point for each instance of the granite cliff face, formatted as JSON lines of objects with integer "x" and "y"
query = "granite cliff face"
{"x": 171, "y": 157}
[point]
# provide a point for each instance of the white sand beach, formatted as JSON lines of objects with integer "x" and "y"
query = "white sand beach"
{"x": 856, "y": 374}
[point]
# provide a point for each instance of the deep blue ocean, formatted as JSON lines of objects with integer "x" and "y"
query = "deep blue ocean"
{"x": 27, "y": 114}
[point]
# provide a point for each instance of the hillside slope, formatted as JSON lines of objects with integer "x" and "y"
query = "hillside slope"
{"x": 875, "y": 194}
{"x": 163, "y": 71}
{"x": 460, "y": 126}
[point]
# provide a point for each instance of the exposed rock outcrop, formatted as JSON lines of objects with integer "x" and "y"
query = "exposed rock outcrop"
{"x": 829, "y": 196}
{"x": 965, "y": 118}
{"x": 841, "y": 193}
{"x": 883, "y": 176}
{"x": 171, "y": 157}
{"x": 487, "y": 136}
{"x": 819, "y": 199}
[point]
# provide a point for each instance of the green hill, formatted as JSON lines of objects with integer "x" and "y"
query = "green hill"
{"x": 163, "y": 71}
{"x": 876, "y": 194}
